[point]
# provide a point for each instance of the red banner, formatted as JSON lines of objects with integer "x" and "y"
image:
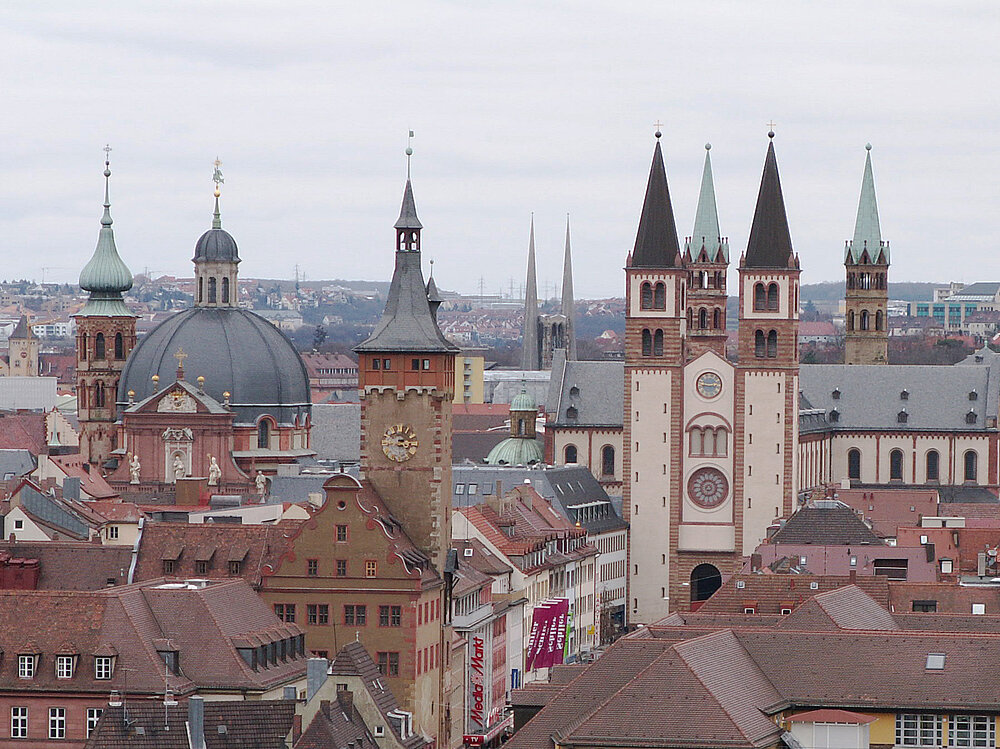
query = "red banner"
{"x": 548, "y": 634}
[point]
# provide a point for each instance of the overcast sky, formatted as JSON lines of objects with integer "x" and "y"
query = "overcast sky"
{"x": 517, "y": 107}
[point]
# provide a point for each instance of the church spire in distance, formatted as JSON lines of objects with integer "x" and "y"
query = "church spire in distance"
{"x": 529, "y": 338}
{"x": 867, "y": 232}
{"x": 567, "y": 302}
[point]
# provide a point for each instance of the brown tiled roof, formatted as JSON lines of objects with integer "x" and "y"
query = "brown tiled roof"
{"x": 72, "y": 565}
{"x": 336, "y": 725}
{"x": 832, "y": 526}
{"x": 25, "y": 431}
{"x": 128, "y": 620}
{"x": 481, "y": 558}
{"x": 771, "y": 593}
{"x": 989, "y": 510}
{"x": 91, "y": 482}
{"x": 844, "y": 608}
{"x": 587, "y": 692}
{"x": 184, "y": 542}
{"x": 261, "y": 724}
{"x": 948, "y": 597}
{"x": 949, "y": 623}
{"x": 354, "y": 660}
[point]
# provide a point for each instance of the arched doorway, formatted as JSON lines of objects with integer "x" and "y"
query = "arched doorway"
{"x": 705, "y": 580}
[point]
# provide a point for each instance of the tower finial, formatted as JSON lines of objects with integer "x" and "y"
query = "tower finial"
{"x": 658, "y": 125}
{"x": 409, "y": 152}
{"x": 106, "y": 219}
{"x": 770, "y": 129}
{"x": 218, "y": 180}
{"x": 432, "y": 267}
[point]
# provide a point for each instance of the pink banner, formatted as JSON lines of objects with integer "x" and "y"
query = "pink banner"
{"x": 548, "y": 634}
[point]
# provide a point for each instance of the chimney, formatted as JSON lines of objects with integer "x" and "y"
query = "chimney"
{"x": 345, "y": 699}
{"x": 196, "y": 722}
{"x": 324, "y": 707}
{"x": 315, "y": 676}
{"x": 296, "y": 728}
{"x": 755, "y": 562}
{"x": 981, "y": 564}
{"x": 71, "y": 487}
{"x": 853, "y": 576}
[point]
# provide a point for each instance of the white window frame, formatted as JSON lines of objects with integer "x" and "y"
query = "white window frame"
{"x": 104, "y": 667}
{"x": 93, "y": 715}
{"x": 919, "y": 729}
{"x": 26, "y": 666}
{"x": 979, "y": 609}
{"x": 977, "y": 731}
{"x": 64, "y": 666}
{"x": 947, "y": 566}
{"x": 19, "y": 722}
{"x": 112, "y": 532}
{"x": 57, "y": 722}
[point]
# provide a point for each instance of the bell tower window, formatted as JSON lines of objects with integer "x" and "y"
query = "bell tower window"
{"x": 660, "y": 296}
{"x": 99, "y": 351}
{"x": 119, "y": 346}
{"x": 772, "y": 297}
{"x": 759, "y": 297}
{"x": 646, "y": 296}
{"x": 264, "y": 434}
{"x": 225, "y": 291}
{"x": 212, "y": 290}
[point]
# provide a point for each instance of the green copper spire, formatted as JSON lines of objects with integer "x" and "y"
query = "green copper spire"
{"x": 106, "y": 276}
{"x": 706, "y": 220}
{"x": 867, "y": 232}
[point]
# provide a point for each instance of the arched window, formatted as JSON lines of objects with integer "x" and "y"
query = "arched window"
{"x": 758, "y": 344}
{"x": 933, "y": 462}
{"x": 705, "y": 580}
{"x": 896, "y": 465}
{"x": 607, "y": 461}
{"x": 703, "y": 318}
{"x": 854, "y": 464}
{"x": 99, "y": 396}
{"x": 225, "y": 290}
{"x": 658, "y": 343}
{"x": 864, "y": 319}
{"x": 83, "y": 346}
{"x": 211, "y": 290}
{"x": 690, "y": 318}
{"x": 721, "y": 442}
{"x": 647, "y": 342}
{"x": 646, "y": 296}
{"x": 850, "y": 320}
{"x": 772, "y": 297}
{"x": 759, "y": 297}
{"x": 772, "y": 344}
{"x": 201, "y": 289}
{"x": 99, "y": 351}
{"x": 694, "y": 441}
{"x": 716, "y": 319}
{"x": 879, "y": 320}
{"x": 660, "y": 296}
{"x": 119, "y": 346}
{"x": 264, "y": 434}
{"x": 569, "y": 454}
{"x": 971, "y": 459}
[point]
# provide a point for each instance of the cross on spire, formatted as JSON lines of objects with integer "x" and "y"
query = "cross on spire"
{"x": 657, "y": 125}
{"x": 107, "y": 153}
{"x": 770, "y": 128}
{"x": 180, "y": 356}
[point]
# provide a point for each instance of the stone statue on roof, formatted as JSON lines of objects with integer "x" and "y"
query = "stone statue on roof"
{"x": 134, "y": 467}
{"x": 178, "y": 467}
{"x": 214, "y": 472}
{"x": 260, "y": 481}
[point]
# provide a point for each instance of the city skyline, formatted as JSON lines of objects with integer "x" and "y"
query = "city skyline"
{"x": 550, "y": 113}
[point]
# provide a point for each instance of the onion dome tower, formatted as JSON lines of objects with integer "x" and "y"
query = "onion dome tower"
{"x": 521, "y": 448}
{"x": 105, "y": 336}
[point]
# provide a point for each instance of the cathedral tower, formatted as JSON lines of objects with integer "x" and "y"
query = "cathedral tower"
{"x": 22, "y": 347}
{"x": 567, "y": 303}
{"x": 768, "y": 372}
{"x": 105, "y": 336}
{"x": 407, "y": 383}
{"x": 655, "y": 309}
{"x": 531, "y": 354}
{"x": 706, "y": 254}
{"x": 866, "y": 261}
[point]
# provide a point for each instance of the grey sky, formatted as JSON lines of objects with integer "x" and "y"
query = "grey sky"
{"x": 517, "y": 107}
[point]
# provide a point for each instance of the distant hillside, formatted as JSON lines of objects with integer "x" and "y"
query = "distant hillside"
{"x": 832, "y": 291}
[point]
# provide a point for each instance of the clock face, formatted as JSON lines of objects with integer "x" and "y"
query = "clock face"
{"x": 399, "y": 442}
{"x": 709, "y": 385}
{"x": 708, "y": 488}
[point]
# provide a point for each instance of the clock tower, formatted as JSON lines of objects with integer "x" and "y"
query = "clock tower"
{"x": 407, "y": 382}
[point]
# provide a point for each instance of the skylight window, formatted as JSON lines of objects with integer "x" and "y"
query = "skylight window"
{"x": 935, "y": 661}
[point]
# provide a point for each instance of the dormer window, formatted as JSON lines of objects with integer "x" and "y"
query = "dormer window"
{"x": 65, "y": 666}
{"x": 172, "y": 659}
{"x": 835, "y": 415}
{"x": 970, "y": 418}
{"x": 26, "y": 665}
{"x": 904, "y": 395}
{"x": 835, "y": 394}
{"x": 973, "y": 395}
{"x": 902, "y": 417}
{"x": 104, "y": 667}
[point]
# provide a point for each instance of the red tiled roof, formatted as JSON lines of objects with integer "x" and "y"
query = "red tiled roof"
{"x": 91, "y": 482}
{"x": 73, "y": 565}
{"x": 772, "y": 593}
{"x": 25, "y": 431}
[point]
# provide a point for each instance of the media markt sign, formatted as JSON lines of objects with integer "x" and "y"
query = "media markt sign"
{"x": 477, "y": 689}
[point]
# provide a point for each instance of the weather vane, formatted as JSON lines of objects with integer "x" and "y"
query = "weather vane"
{"x": 107, "y": 154}
{"x": 409, "y": 152}
{"x": 217, "y": 176}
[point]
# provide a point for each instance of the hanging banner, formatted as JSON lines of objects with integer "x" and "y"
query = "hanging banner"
{"x": 547, "y": 637}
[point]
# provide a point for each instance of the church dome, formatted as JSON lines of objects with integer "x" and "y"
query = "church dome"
{"x": 516, "y": 451}
{"x": 235, "y": 351}
{"x": 216, "y": 245}
{"x": 523, "y": 402}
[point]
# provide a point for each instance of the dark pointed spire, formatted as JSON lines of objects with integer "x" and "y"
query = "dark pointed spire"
{"x": 434, "y": 299}
{"x": 567, "y": 303}
{"x": 408, "y": 211}
{"x": 529, "y": 338}
{"x": 770, "y": 244}
{"x": 656, "y": 241}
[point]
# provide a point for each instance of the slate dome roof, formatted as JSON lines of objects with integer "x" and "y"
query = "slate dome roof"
{"x": 523, "y": 402}
{"x": 235, "y": 351}
{"x": 516, "y": 451}
{"x": 216, "y": 245}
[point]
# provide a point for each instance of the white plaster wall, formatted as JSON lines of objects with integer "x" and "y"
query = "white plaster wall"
{"x": 650, "y": 501}
{"x": 763, "y": 445}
